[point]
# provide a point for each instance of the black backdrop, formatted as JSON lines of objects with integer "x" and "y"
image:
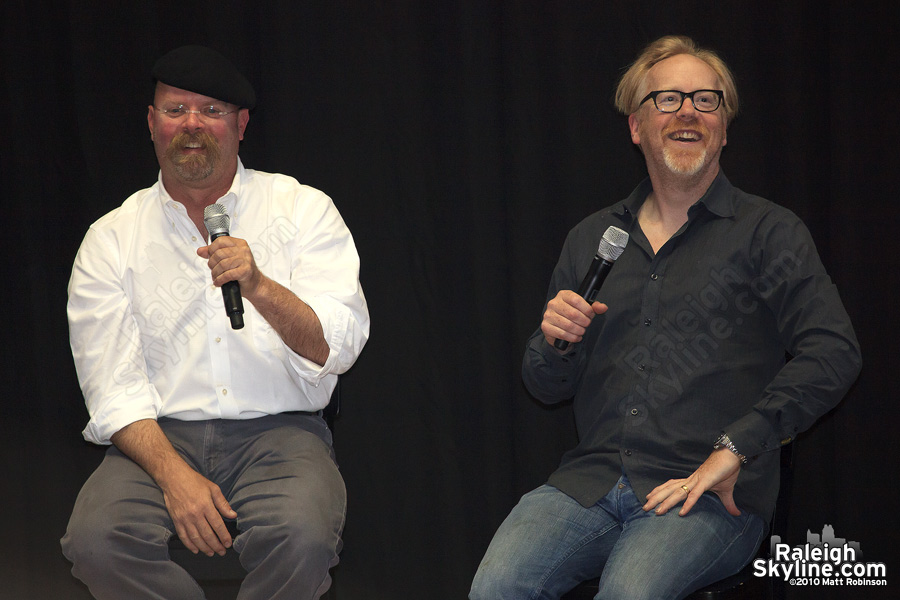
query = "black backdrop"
{"x": 461, "y": 141}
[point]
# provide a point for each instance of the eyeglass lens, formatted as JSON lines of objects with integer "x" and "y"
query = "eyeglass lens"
{"x": 671, "y": 101}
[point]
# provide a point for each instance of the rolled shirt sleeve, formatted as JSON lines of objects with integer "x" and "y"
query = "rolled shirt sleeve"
{"x": 106, "y": 343}
{"x": 325, "y": 275}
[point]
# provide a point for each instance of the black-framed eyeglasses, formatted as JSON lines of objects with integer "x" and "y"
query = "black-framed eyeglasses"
{"x": 669, "y": 101}
{"x": 180, "y": 111}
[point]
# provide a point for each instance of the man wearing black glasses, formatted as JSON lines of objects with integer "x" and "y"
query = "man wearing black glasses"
{"x": 212, "y": 418}
{"x": 682, "y": 395}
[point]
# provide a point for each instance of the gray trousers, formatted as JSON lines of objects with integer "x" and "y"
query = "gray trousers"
{"x": 277, "y": 472}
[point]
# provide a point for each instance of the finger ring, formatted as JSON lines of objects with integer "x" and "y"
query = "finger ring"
{"x": 686, "y": 490}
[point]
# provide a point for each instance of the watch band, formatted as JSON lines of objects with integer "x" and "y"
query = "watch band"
{"x": 725, "y": 442}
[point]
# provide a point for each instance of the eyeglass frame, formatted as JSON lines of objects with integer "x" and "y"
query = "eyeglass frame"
{"x": 218, "y": 115}
{"x": 652, "y": 96}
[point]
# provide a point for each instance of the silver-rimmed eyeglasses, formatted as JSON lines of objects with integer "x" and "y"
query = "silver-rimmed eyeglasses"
{"x": 180, "y": 111}
{"x": 669, "y": 101}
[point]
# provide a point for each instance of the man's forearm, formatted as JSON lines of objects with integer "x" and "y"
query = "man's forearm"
{"x": 292, "y": 318}
{"x": 146, "y": 444}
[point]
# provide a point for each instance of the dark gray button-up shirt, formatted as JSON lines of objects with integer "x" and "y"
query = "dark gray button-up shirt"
{"x": 694, "y": 344}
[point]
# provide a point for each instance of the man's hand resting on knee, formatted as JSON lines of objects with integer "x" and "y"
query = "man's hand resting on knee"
{"x": 195, "y": 503}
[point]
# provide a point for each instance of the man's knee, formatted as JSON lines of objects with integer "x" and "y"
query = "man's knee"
{"x": 311, "y": 536}
{"x": 617, "y": 588}
{"x": 494, "y": 581}
{"x": 95, "y": 542}
{"x": 298, "y": 540}
{"x": 504, "y": 575}
{"x": 87, "y": 537}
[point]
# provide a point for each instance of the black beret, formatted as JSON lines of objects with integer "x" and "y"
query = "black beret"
{"x": 204, "y": 71}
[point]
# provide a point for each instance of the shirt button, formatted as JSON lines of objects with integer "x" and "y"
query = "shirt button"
{"x": 224, "y": 391}
{"x": 635, "y": 412}
{"x": 628, "y": 453}
{"x": 218, "y": 339}
{"x": 641, "y": 367}
{"x": 647, "y": 321}
{"x": 654, "y": 276}
{"x": 621, "y": 486}
{"x": 193, "y": 238}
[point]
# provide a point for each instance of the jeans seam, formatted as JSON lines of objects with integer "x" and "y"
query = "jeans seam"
{"x": 730, "y": 544}
{"x": 572, "y": 550}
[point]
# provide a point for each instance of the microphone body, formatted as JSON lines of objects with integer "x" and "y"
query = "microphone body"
{"x": 594, "y": 278}
{"x": 611, "y": 247}
{"x": 217, "y": 223}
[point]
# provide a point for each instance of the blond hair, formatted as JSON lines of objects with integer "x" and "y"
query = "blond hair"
{"x": 632, "y": 86}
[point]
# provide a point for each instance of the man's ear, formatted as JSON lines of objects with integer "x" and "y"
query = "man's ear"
{"x": 634, "y": 125}
{"x": 151, "y": 114}
{"x": 243, "y": 119}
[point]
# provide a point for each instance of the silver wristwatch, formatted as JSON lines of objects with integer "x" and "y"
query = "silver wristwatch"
{"x": 725, "y": 442}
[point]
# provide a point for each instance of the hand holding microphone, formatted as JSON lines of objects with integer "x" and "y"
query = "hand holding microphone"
{"x": 217, "y": 222}
{"x": 611, "y": 247}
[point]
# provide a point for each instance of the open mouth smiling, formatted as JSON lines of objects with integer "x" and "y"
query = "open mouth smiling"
{"x": 685, "y": 136}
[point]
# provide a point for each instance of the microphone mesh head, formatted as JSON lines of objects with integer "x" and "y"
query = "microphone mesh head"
{"x": 216, "y": 219}
{"x": 613, "y": 244}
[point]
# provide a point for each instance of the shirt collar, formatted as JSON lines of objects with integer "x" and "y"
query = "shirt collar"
{"x": 229, "y": 200}
{"x": 718, "y": 198}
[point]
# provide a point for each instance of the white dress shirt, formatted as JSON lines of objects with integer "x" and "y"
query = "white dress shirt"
{"x": 148, "y": 329}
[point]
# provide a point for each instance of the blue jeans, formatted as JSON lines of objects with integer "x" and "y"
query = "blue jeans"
{"x": 549, "y": 543}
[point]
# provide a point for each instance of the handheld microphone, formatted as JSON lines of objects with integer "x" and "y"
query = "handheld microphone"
{"x": 217, "y": 222}
{"x": 611, "y": 247}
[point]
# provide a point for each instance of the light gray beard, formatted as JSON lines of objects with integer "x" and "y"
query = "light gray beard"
{"x": 676, "y": 163}
{"x": 193, "y": 168}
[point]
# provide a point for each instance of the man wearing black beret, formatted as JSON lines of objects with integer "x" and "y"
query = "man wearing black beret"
{"x": 212, "y": 420}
